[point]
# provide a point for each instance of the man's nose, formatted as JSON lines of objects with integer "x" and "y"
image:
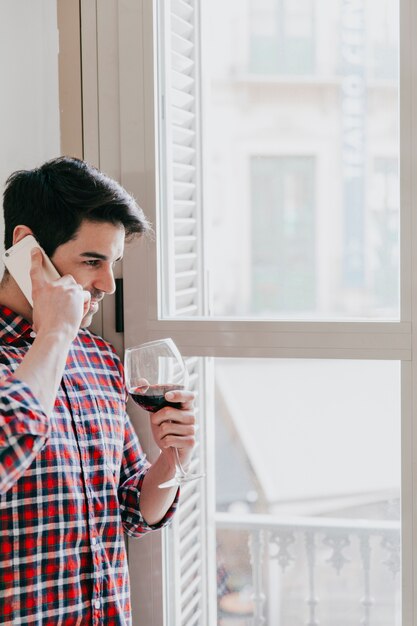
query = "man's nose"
{"x": 106, "y": 282}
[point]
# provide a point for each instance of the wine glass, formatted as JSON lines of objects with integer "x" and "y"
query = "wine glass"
{"x": 152, "y": 369}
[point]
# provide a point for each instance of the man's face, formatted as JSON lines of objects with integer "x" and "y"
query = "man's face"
{"x": 90, "y": 259}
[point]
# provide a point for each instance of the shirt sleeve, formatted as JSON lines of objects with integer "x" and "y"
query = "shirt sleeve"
{"x": 134, "y": 468}
{"x": 24, "y": 429}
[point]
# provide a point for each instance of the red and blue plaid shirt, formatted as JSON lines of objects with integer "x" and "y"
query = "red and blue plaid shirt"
{"x": 69, "y": 486}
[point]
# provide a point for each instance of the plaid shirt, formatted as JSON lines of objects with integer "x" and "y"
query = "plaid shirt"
{"x": 69, "y": 487}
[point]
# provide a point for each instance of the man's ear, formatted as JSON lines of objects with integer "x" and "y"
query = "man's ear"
{"x": 20, "y": 232}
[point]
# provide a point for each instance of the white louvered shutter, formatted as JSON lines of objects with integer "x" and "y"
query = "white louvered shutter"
{"x": 180, "y": 162}
{"x": 182, "y": 285}
{"x": 185, "y": 540}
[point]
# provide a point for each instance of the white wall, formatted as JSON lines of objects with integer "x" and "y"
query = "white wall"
{"x": 29, "y": 103}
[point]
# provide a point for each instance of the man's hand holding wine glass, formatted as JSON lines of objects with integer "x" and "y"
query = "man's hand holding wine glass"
{"x": 174, "y": 427}
{"x": 157, "y": 380}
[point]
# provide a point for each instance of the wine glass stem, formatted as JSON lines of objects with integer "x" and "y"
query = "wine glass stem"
{"x": 180, "y": 468}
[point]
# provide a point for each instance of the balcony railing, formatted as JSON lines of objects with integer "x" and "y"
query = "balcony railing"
{"x": 272, "y": 538}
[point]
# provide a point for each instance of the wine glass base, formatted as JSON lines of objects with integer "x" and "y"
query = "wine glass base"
{"x": 177, "y": 481}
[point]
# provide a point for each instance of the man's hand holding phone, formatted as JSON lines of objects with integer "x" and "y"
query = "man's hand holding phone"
{"x": 58, "y": 305}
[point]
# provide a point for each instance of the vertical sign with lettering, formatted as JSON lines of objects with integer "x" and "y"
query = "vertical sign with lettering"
{"x": 353, "y": 139}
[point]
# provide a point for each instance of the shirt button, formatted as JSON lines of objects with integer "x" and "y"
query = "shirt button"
{"x": 77, "y": 418}
{"x": 97, "y": 604}
{"x": 94, "y": 541}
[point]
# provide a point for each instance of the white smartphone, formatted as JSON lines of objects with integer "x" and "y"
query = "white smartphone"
{"x": 18, "y": 261}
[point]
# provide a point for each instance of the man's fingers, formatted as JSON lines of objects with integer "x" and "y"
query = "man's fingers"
{"x": 87, "y": 300}
{"x": 183, "y": 397}
{"x": 169, "y": 414}
{"x": 36, "y": 265}
{"x": 180, "y": 395}
{"x": 69, "y": 280}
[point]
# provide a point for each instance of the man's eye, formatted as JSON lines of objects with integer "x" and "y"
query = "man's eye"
{"x": 92, "y": 263}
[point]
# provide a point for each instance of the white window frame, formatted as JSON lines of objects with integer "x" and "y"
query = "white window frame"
{"x": 118, "y": 75}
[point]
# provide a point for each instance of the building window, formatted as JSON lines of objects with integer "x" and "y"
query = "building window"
{"x": 281, "y": 36}
{"x": 384, "y": 248}
{"x": 383, "y": 35}
{"x": 283, "y": 234}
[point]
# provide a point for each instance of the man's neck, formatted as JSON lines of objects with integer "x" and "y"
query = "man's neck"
{"x": 12, "y": 297}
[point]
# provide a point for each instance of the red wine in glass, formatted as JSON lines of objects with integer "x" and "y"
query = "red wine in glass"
{"x": 152, "y": 397}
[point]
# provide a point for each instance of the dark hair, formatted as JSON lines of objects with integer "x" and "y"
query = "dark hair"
{"x": 53, "y": 200}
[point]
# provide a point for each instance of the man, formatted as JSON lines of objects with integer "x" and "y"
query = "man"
{"x": 72, "y": 474}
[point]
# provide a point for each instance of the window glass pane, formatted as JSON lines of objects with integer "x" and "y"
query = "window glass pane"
{"x": 308, "y": 491}
{"x": 300, "y": 158}
{"x": 29, "y": 105}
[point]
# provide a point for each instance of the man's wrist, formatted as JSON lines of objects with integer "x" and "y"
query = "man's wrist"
{"x": 166, "y": 463}
{"x": 64, "y": 335}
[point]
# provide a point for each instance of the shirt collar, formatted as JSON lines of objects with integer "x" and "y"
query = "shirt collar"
{"x": 13, "y": 327}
